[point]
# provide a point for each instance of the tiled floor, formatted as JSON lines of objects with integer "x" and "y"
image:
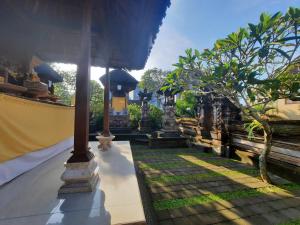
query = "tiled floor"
{"x": 191, "y": 187}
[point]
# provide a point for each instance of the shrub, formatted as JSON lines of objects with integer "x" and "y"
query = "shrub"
{"x": 135, "y": 114}
{"x": 155, "y": 115}
{"x": 186, "y": 104}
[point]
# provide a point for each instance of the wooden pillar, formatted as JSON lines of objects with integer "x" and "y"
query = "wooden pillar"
{"x": 81, "y": 151}
{"x": 106, "y": 132}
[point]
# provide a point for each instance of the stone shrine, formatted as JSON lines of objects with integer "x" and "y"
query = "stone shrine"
{"x": 121, "y": 83}
{"x": 169, "y": 126}
{"x": 169, "y": 135}
{"x": 145, "y": 97}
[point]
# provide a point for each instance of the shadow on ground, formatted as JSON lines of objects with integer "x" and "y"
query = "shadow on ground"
{"x": 188, "y": 186}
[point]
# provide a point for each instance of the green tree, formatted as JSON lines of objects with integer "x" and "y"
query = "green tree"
{"x": 153, "y": 79}
{"x": 96, "y": 103}
{"x": 186, "y": 104}
{"x": 135, "y": 115}
{"x": 155, "y": 115}
{"x": 66, "y": 89}
{"x": 250, "y": 67}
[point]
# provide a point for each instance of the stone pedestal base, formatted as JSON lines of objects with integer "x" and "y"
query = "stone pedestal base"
{"x": 80, "y": 177}
{"x": 167, "y": 139}
{"x": 105, "y": 142}
{"x": 169, "y": 133}
{"x": 145, "y": 126}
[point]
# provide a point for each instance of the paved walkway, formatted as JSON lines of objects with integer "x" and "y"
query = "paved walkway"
{"x": 191, "y": 187}
{"x": 32, "y": 199}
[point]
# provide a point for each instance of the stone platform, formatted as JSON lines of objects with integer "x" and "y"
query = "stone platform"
{"x": 32, "y": 197}
{"x": 166, "y": 140}
{"x": 132, "y": 137}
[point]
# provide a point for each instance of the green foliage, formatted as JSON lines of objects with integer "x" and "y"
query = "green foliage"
{"x": 96, "y": 97}
{"x": 292, "y": 222}
{"x": 96, "y": 103}
{"x": 66, "y": 89}
{"x": 155, "y": 115}
{"x": 153, "y": 79}
{"x": 250, "y": 127}
{"x": 176, "y": 81}
{"x": 186, "y": 104}
{"x": 251, "y": 67}
{"x": 135, "y": 114}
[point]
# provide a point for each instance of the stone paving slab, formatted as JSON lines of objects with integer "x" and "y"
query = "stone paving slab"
{"x": 266, "y": 208}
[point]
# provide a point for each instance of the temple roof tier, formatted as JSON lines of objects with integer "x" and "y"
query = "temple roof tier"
{"x": 120, "y": 81}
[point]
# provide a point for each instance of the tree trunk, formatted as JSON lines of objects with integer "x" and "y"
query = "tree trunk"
{"x": 264, "y": 154}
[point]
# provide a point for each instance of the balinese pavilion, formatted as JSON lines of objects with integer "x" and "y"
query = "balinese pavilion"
{"x": 121, "y": 83}
{"x": 107, "y": 33}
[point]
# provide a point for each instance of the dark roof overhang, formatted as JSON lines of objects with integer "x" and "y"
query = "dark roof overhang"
{"x": 123, "y": 31}
{"x": 46, "y": 72}
{"x": 120, "y": 77}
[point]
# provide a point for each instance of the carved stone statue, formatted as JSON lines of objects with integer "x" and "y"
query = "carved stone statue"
{"x": 170, "y": 134}
{"x": 169, "y": 119}
{"x": 145, "y": 97}
{"x": 169, "y": 125}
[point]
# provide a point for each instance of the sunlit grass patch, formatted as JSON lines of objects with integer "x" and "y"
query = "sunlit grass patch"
{"x": 170, "y": 179}
{"x": 182, "y": 164}
{"x": 165, "y": 151}
{"x": 151, "y": 155}
{"x": 202, "y": 199}
{"x": 206, "y": 161}
{"x": 165, "y": 165}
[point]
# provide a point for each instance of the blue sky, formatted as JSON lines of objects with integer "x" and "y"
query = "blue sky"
{"x": 198, "y": 23}
{"x": 203, "y": 21}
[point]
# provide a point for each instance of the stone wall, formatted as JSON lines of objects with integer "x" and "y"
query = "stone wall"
{"x": 218, "y": 125}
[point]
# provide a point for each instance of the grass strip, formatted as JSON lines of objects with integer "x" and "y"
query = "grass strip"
{"x": 139, "y": 156}
{"x": 164, "y": 165}
{"x": 202, "y": 199}
{"x": 191, "y": 163}
{"x": 170, "y": 179}
{"x": 292, "y": 222}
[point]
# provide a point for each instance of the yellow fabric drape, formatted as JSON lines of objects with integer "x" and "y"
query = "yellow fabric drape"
{"x": 118, "y": 103}
{"x": 27, "y": 126}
